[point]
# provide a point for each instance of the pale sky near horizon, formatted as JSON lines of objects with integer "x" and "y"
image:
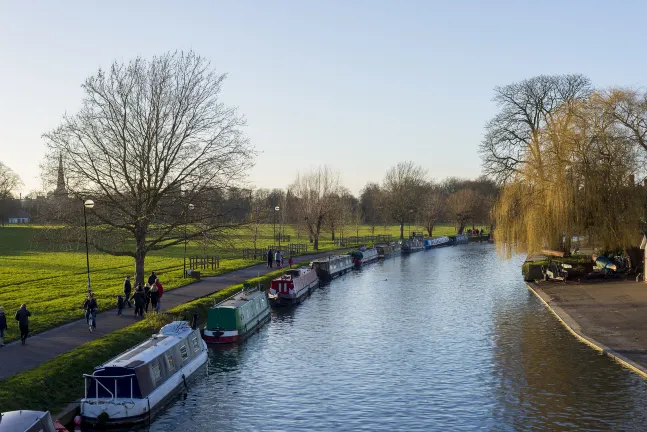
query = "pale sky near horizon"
{"x": 357, "y": 85}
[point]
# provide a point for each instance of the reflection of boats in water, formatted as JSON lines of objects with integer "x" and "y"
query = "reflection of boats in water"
{"x": 237, "y": 317}
{"x": 390, "y": 250}
{"x": 293, "y": 286}
{"x": 364, "y": 256}
{"x": 133, "y": 387}
{"x": 415, "y": 243}
{"x": 333, "y": 266}
{"x": 29, "y": 421}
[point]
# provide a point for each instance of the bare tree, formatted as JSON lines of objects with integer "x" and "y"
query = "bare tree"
{"x": 151, "y": 138}
{"x": 371, "y": 202}
{"x": 402, "y": 188}
{"x": 313, "y": 191}
{"x": 432, "y": 208}
{"x": 9, "y": 181}
{"x": 526, "y": 112}
{"x": 460, "y": 206}
{"x": 259, "y": 213}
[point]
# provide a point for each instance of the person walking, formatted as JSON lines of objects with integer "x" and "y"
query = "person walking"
{"x": 151, "y": 278}
{"x": 277, "y": 258}
{"x": 160, "y": 290}
{"x": 155, "y": 296}
{"x": 139, "y": 299}
{"x": 290, "y": 261}
{"x": 147, "y": 297}
{"x": 3, "y": 325}
{"x": 120, "y": 304}
{"x": 270, "y": 257}
{"x": 22, "y": 316}
{"x": 127, "y": 289}
{"x": 90, "y": 306}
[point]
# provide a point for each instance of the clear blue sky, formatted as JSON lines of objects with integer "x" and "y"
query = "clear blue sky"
{"x": 358, "y": 85}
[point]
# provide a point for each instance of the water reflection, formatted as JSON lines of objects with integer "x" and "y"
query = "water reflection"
{"x": 448, "y": 339}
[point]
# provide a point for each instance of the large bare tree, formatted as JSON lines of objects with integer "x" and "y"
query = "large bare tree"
{"x": 403, "y": 192}
{"x": 9, "y": 181}
{"x": 314, "y": 192}
{"x": 152, "y": 141}
{"x": 527, "y": 112}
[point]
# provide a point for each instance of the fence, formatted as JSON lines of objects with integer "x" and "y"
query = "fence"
{"x": 356, "y": 240}
{"x": 281, "y": 237}
{"x": 204, "y": 262}
{"x": 290, "y": 249}
{"x": 252, "y": 253}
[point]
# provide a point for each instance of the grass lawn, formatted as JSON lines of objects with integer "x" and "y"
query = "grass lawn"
{"x": 53, "y": 282}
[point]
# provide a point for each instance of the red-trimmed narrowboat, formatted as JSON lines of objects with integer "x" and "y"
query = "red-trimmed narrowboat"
{"x": 293, "y": 286}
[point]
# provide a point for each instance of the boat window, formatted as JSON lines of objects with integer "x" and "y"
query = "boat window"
{"x": 157, "y": 374}
{"x": 169, "y": 359}
{"x": 184, "y": 352}
{"x": 196, "y": 344}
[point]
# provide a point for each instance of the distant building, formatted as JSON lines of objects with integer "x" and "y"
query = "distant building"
{"x": 20, "y": 217}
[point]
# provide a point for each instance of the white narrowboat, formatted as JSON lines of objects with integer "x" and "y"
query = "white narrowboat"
{"x": 29, "y": 421}
{"x": 133, "y": 387}
{"x": 333, "y": 266}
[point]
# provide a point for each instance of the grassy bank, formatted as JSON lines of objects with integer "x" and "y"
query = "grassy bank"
{"x": 59, "y": 381}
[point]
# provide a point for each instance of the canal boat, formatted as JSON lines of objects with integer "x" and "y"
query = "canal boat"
{"x": 415, "y": 243}
{"x": 29, "y": 421}
{"x": 237, "y": 317}
{"x": 390, "y": 250}
{"x": 132, "y": 388}
{"x": 330, "y": 267}
{"x": 364, "y": 256}
{"x": 293, "y": 286}
{"x": 437, "y": 242}
{"x": 459, "y": 239}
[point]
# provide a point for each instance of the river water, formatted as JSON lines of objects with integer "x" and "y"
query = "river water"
{"x": 447, "y": 339}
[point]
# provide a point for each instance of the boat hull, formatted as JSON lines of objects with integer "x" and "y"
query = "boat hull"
{"x": 282, "y": 299}
{"x": 124, "y": 412}
{"x": 229, "y": 337}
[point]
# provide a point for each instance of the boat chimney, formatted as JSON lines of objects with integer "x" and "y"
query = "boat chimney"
{"x": 154, "y": 339}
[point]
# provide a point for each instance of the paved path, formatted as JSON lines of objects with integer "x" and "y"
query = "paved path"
{"x": 16, "y": 358}
{"x": 611, "y": 316}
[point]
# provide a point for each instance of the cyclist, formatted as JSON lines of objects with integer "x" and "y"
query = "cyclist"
{"x": 90, "y": 306}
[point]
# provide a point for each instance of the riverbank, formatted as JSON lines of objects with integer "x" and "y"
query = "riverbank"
{"x": 55, "y": 385}
{"x": 608, "y": 316}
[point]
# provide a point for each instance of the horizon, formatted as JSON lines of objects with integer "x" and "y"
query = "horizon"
{"x": 357, "y": 87}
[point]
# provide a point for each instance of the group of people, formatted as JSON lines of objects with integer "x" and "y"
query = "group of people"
{"x": 276, "y": 257}
{"x": 150, "y": 295}
{"x": 22, "y": 316}
{"x": 143, "y": 298}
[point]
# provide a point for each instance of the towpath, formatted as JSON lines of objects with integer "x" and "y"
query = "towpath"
{"x": 16, "y": 358}
{"x": 610, "y": 316}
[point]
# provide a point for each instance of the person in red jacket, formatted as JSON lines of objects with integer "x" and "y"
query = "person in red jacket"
{"x": 160, "y": 290}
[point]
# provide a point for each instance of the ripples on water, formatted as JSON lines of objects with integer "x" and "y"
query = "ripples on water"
{"x": 448, "y": 339}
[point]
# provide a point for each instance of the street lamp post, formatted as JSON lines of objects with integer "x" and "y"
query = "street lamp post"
{"x": 410, "y": 216}
{"x": 89, "y": 204}
{"x": 276, "y": 209}
{"x": 186, "y": 222}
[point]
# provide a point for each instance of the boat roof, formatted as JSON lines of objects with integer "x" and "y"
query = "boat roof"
{"x": 332, "y": 257}
{"x": 238, "y": 300}
{"x": 13, "y": 421}
{"x": 148, "y": 350}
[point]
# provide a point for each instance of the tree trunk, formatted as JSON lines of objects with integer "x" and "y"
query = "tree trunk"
{"x": 316, "y": 241}
{"x": 401, "y": 230}
{"x": 460, "y": 229}
{"x": 333, "y": 233}
{"x": 430, "y": 230}
{"x": 140, "y": 254}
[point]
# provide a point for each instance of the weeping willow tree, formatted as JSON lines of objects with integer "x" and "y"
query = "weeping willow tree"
{"x": 565, "y": 165}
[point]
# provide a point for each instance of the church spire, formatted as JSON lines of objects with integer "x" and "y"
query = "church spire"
{"x": 60, "y": 182}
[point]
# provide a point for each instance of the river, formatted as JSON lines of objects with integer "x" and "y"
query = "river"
{"x": 446, "y": 339}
